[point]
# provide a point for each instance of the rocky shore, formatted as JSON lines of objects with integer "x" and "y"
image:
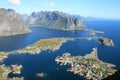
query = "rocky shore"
{"x": 4, "y": 55}
{"x": 105, "y": 41}
{"x": 16, "y": 69}
{"x": 5, "y": 70}
{"x": 102, "y": 40}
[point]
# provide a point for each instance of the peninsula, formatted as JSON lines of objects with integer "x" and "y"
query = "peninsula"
{"x": 4, "y": 55}
{"x": 44, "y": 44}
{"x": 88, "y": 66}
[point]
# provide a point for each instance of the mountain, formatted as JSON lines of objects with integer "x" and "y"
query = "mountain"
{"x": 82, "y": 18}
{"x": 55, "y": 20}
{"x": 12, "y": 23}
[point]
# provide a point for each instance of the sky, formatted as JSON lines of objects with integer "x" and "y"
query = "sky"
{"x": 92, "y": 8}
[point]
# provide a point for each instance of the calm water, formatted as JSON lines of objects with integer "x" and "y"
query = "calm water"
{"x": 44, "y": 62}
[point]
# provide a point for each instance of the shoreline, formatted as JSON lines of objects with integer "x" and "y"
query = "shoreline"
{"x": 88, "y": 66}
{"x": 44, "y": 44}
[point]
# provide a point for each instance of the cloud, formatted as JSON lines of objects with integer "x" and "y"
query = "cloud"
{"x": 47, "y": 4}
{"x": 14, "y": 2}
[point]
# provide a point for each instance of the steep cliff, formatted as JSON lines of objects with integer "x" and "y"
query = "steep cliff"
{"x": 55, "y": 20}
{"x": 12, "y": 23}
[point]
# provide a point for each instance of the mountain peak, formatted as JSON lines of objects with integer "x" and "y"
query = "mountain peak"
{"x": 10, "y": 10}
{"x": 11, "y": 23}
{"x": 55, "y": 20}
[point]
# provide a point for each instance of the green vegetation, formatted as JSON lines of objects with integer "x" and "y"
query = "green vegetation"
{"x": 104, "y": 66}
{"x": 44, "y": 44}
{"x": 88, "y": 66}
{"x": 4, "y": 55}
{"x": 1, "y": 71}
{"x": 4, "y": 71}
{"x": 47, "y": 42}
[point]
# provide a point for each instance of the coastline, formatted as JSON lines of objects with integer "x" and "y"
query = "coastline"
{"x": 44, "y": 44}
{"x": 88, "y": 66}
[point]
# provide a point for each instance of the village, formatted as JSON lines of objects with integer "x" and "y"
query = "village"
{"x": 88, "y": 66}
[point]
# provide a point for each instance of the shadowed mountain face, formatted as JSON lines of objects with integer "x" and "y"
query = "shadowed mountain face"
{"x": 11, "y": 23}
{"x": 55, "y": 20}
{"x": 115, "y": 76}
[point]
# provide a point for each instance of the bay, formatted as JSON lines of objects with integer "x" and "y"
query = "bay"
{"x": 44, "y": 62}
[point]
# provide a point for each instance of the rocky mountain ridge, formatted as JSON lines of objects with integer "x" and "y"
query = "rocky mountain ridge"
{"x": 11, "y": 23}
{"x": 55, "y": 20}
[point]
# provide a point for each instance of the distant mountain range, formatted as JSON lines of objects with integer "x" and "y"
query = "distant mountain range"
{"x": 11, "y": 23}
{"x": 55, "y": 20}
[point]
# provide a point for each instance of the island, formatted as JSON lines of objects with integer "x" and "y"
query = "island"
{"x": 16, "y": 69}
{"x": 41, "y": 75}
{"x": 105, "y": 41}
{"x": 44, "y": 44}
{"x": 88, "y": 66}
{"x": 5, "y": 70}
{"x": 94, "y": 32}
{"x": 101, "y": 40}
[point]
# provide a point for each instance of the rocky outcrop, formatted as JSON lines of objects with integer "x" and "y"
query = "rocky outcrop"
{"x": 105, "y": 41}
{"x": 55, "y": 20}
{"x": 11, "y": 23}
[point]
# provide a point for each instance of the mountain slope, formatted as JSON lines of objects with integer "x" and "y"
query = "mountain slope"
{"x": 11, "y": 23}
{"x": 55, "y": 20}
